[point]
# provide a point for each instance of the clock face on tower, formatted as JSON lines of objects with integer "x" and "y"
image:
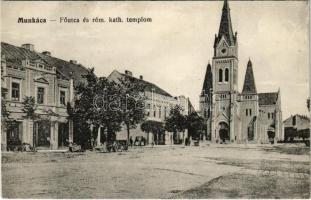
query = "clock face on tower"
{"x": 223, "y": 51}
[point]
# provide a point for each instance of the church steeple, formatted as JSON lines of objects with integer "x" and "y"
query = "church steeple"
{"x": 249, "y": 86}
{"x": 208, "y": 81}
{"x": 225, "y": 28}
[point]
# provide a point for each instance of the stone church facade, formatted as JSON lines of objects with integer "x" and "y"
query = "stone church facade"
{"x": 234, "y": 116}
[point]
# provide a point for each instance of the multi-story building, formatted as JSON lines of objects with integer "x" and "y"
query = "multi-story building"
{"x": 158, "y": 104}
{"x": 231, "y": 115}
{"x": 28, "y": 73}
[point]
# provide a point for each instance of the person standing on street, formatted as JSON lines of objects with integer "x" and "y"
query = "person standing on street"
{"x": 131, "y": 141}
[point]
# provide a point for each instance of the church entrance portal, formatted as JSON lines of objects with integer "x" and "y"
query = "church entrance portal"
{"x": 224, "y": 132}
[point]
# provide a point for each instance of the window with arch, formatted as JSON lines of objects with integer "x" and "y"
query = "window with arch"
{"x": 226, "y": 75}
{"x": 220, "y": 75}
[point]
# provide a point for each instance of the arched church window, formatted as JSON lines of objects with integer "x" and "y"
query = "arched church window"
{"x": 226, "y": 74}
{"x": 220, "y": 75}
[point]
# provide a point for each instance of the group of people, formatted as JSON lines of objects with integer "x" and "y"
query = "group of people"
{"x": 139, "y": 141}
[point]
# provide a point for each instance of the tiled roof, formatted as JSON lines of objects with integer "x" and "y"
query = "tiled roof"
{"x": 15, "y": 55}
{"x": 66, "y": 68}
{"x": 268, "y": 98}
{"x": 148, "y": 86}
{"x": 249, "y": 86}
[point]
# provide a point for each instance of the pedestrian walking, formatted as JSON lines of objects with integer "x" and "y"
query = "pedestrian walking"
{"x": 131, "y": 141}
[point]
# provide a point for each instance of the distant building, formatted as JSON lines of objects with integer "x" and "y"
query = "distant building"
{"x": 26, "y": 72}
{"x": 295, "y": 126}
{"x": 248, "y": 116}
{"x": 158, "y": 106}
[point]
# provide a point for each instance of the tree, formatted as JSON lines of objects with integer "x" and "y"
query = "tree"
{"x": 29, "y": 108}
{"x": 154, "y": 127}
{"x": 175, "y": 122}
{"x": 304, "y": 134}
{"x": 133, "y": 102}
{"x": 151, "y": 126}
{"x": 7, "y": 124}
{"x": 97, "y": 104}
{"x": 290, "y": 134}
{"x": 195, "y": 125}
{"x": 5, "y": 114}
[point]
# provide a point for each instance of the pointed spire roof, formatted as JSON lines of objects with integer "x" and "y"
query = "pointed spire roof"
{"x": 249, "y": 86}
{"x": 225, "y": 28}
{"x": 208, "y": 81}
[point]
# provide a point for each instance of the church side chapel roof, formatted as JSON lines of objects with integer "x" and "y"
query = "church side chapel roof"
{"x": 148, "y": 86}
{"x": 208, "y": 80}
{"x": 249, "y": 86}
{"x": 269, "y": 98}
{"x": 225, "y": 28}
{"x": 14, "y": 54}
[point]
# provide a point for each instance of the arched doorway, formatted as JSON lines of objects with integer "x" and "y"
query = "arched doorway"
{"x": 250, "y": 133}
{"x": 224, "y": 132}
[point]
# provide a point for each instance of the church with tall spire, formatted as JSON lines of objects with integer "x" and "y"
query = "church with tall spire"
{"x": 234, "y": 116}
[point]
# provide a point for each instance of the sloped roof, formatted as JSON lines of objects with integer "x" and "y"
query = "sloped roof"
{"x": 225, "y": 28}
{"x": 208, "y": 80}
{"x": 249, "y": 86}
{"x": 66, "y": 68}
{"x": 15, "y": 55}
{"x": 148, "y": 86}
{"x": 304, "y": 117}
{"x": 269, "y": 98}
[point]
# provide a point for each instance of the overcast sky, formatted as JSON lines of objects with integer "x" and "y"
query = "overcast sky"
{"x": 174, "y": 49}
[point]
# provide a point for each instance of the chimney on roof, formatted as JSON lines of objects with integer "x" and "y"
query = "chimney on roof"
{"x": 129, "y": 73}
{"x": 73, "y": 62}
{"x": 47, "y": 53}
{"x": 28, "y": 46}
{"x": 141, "y": 77}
